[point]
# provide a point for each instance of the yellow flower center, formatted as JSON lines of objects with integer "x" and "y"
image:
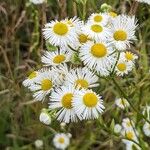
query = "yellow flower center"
{"x": 46, "y": 84}
{"x": 83, "y": 83}
{"x": 98, "y": 18}
{"x": 60, "y": 28}
{"x": 130, "y": 135}
{"x": 96, "y": 28}
{"x": 112, "y": 14}
{"x": 83, "y": 38}
{"x": 59, "y": 59}
{"x": 32, "y": 75}
{"x": 66, "y": 100}
{"x": 120, "y": 35}
{"x": 61, "y": 140}
{"x": 121, "y": 67}
{"x": 129, "y": 56}
{"x": 90, "y": 99}
{"x": 98, "y": 50}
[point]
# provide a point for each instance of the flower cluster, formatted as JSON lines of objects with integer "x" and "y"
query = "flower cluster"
{"x": 129, "y": 133}
{"x": 84, "y": 51}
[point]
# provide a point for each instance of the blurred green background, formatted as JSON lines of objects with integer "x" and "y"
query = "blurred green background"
{"x": 21, "y": 42}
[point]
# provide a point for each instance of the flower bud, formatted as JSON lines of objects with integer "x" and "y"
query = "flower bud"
{"x": 45, "y": 117}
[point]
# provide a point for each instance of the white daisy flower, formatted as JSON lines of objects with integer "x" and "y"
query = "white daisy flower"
{"x": 130, "y": 135}
{"x": 44, "y": 84}
{"x": 146, "y": 129}
{"x": 98, "y": 18}
{"x": 117, "y": 128}
{"x": 82, "y": 77}
{"x": 88, "y": 104}
{"x": 122, "y": 103}
{"x": 45, "y": 117}
{"x": 96, "y": 31}
{"x": 128, "y": 56}
{"x": 123, "y": 31}
{"x": 127, "y": 124}
{"x": 59, "y": 33}
{"x": 30, "y": 79}
{"x": 123, "y": 67}
{"x": 144, "y": 1}
{"x": 62, "y": 98}
{"x": 56, "y": 58}
{"x": 61, "y": 141}
{"x": 98, "y": 56}
{"x": 38, "y": 1}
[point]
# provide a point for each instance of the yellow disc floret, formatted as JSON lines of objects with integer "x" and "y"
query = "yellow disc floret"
{"x": 60, "y": 28}
{"x": 97, "y": 28}
{"x": 98, "y": 50}
{"x": 129, "y": 56}
{"x": 46, "y": 84}
{"x": 83, "y": 83}
{"x": 90, "y": 99}
{"x": 130, "y": 135}
{"x": 120, "y": 35}
{"x": 83, "y": 38}
{"x": 61, "y": 140}
{"x": 121, "y": 67}
{"x": 59, "y": 59}
{"x": 112, "y": 14}
{"x": 67, "y": 100}
{"x": 32, "y": 75}
{"x": 98, "y": 18}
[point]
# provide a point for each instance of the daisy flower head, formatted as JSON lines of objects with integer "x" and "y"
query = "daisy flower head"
{"x": 82, "y": 77}
{"x": 60, "y": 33}
{"x": 127, "y": 124}
{"x": 61, "y": 141}
{"x": 128, "y": 56}
{"x": 30, "y": 79}
{"x": 62, "y": 99}
{"x": 44, "y": 84}
{"x": 88, "y": 104}
{"x": 96, "y": 31}
{"x": 56, "y": 58}
{"x": 98, "y": 18}
{"x": 123, "y": 67}
{"x": 123, "y": 31}
{"x": 83, "y": 38}
{"x": 97, "y": 56}
{"x": 122, "y": 103}
{"x": 146, "y": 129}
{"x": 37, "y": 1}
{"x": 144, "y": 1}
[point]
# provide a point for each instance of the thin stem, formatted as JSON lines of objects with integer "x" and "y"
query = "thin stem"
{"x": 126, "y": 97}
{"x": 134, "y": 8}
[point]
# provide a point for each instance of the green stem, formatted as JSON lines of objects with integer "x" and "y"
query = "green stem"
{"x": 126, "y": 97}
